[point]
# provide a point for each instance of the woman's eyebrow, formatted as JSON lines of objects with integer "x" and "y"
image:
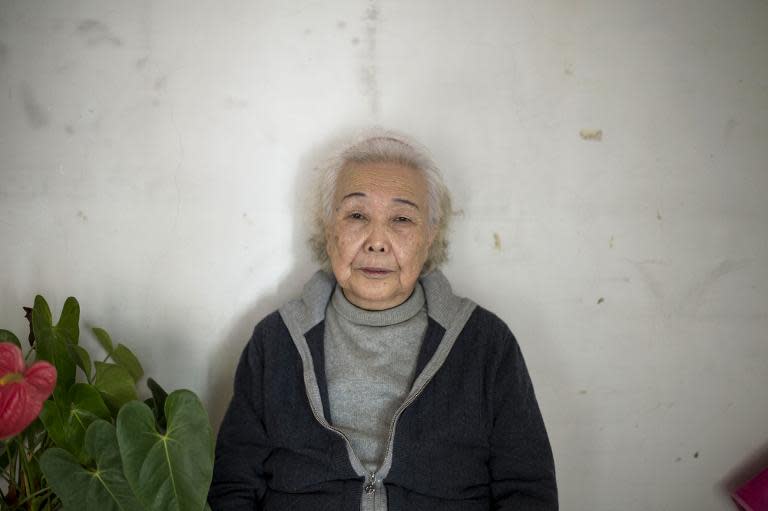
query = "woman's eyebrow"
{"x": 405, "y": 201}
{"x": 353, "y": 194}
{"x": 395, "y": 199}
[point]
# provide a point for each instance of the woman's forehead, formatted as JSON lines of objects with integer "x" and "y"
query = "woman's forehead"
{"x": 382, "y": 181}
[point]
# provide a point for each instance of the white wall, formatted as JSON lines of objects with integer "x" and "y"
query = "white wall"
{"x": 151, "y": 155}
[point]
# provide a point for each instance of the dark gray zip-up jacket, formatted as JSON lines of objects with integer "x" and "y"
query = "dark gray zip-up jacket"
{"x": 468, "y": 437}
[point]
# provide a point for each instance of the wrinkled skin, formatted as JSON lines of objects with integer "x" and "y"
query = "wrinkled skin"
{"x": 380, "y": 222}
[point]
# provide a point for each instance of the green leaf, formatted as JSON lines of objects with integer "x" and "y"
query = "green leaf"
{"x": 55, "y": 351}
{"x": 171, "y": 471}
{"x": 86, "y": 405}
{"x": 104, "y": 339}
{"x": 42, "y": 322}
{"x": 53, "y": 421}
{"x": 102, "y": 489}
{"x": 51, "y": 342}
{"x": 68, "y": 325}
{"x": 81, "y": 358}
{"x": 125, "y": 357}
{"x": 8, "y": 336}
{"x": 115, "y": 384}
{"x": 67, "y": 419}
{"x": 158, "y": 401}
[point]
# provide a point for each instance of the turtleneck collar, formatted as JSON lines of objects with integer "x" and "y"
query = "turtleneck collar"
{"x": 386, "y": 317}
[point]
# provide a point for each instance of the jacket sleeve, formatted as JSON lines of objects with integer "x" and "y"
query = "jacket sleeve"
{"x": 521, "y": 466}
{"x": 242, "y": 444}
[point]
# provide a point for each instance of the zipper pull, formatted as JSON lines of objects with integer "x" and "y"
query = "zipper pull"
{"x": 370, "y": 488}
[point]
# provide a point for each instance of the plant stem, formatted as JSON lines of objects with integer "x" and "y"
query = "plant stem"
{"x": 24, "y": 483}
{"x": 33, "y": 495}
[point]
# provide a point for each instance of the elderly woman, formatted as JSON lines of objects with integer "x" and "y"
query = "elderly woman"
{"x": 379, "y": 389}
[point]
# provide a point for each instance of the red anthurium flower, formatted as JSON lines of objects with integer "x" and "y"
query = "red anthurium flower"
{"x": 22, "y": 389}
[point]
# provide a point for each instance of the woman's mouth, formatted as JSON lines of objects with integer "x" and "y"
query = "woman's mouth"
{"x": 375, "y": 272}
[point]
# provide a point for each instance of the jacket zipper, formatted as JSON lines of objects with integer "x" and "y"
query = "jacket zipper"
{"x": 369, "y": 485}
{"x": 400, "y": 411}
{"x": 370, "y": 482}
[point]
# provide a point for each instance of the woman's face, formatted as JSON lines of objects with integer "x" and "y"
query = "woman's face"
{"x": 379, "y": 234}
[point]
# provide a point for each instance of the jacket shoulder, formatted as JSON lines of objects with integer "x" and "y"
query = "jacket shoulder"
{"x": 266, "y": 329}
{"x": 490, "y": 326}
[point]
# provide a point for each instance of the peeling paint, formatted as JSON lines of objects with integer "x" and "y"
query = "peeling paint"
{"x": 496, "y": 241}
{"x": 593, "y": 135}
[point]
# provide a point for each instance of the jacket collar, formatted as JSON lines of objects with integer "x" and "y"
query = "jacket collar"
{"x": 442, "y": 304}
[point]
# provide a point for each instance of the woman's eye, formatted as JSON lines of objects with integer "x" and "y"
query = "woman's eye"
{"x": 356, "y": 216}
{"x": 402, "y": 219}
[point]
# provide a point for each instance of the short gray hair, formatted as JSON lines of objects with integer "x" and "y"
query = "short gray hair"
{"x": 381, "y": 146}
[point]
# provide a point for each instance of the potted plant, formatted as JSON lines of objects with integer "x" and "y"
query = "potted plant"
{"x": 95, "y": 446}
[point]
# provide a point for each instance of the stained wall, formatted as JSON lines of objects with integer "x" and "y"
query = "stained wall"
{"x": 608, "y": 159}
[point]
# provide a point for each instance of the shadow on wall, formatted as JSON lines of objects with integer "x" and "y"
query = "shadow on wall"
{"x": 744, "y": 471}
{"x": 288, "y": 286}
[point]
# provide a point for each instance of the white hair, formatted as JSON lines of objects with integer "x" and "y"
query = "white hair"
{"x": 382, "y": 146}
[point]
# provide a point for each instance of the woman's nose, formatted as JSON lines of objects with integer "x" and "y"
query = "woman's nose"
{"x": 376, "y": 246}
{"x": 377, "y": 241}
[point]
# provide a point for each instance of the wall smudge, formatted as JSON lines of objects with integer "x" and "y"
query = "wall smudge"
{"x": 97, "y": 33}
{"x": 160, "y": 83}
{"x": 697, "y": 294}
{"x": 496, "y": 241}
{"x": 728, "y": 130}
{"x": 3, "y": 54}
{"x": 369, "y": 70}
{"x": 36, "y": 114}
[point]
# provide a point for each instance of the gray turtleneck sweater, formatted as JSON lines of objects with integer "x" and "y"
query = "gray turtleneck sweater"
{"x": 370, "y": 358}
